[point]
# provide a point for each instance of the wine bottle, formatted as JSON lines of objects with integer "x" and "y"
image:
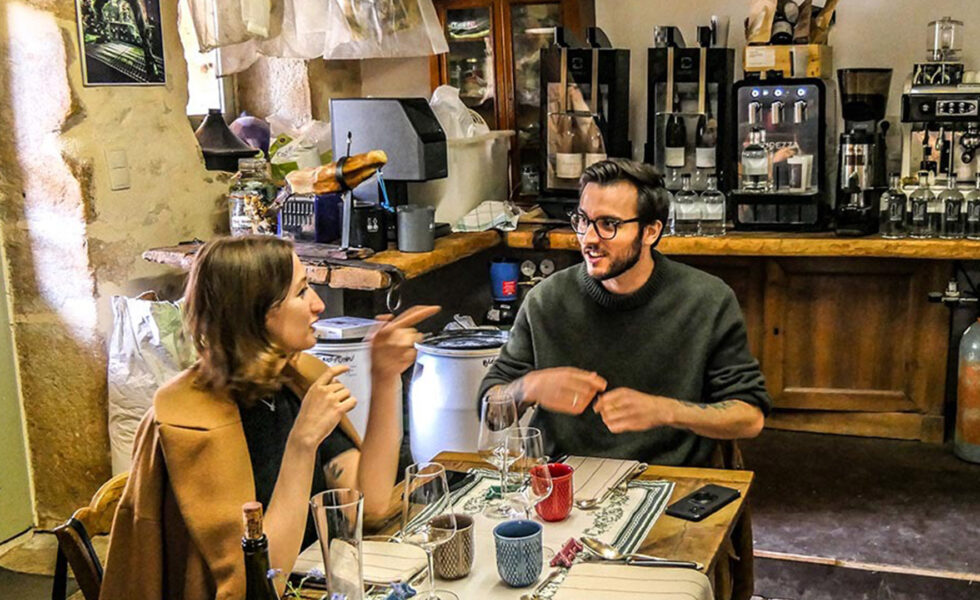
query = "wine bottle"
{"x": 255, "y": 546}
{"x": 675, "y": 141}
{"x": 706, "y": 142}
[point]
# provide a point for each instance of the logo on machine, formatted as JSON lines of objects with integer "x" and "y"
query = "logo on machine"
{"x": 372, "y": 224}
{"x": 489, "y": 361}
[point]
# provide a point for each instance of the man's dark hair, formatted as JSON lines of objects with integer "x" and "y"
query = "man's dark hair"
{"x": 653, "y": 201}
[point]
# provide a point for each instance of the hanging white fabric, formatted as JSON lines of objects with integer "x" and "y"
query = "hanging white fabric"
{"x": 308, "y": 29}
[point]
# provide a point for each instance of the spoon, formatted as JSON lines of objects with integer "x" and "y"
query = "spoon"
{"x": 547, "y": 581}
{"x": 591, "y": 503}
{"x": 609, "y": 552}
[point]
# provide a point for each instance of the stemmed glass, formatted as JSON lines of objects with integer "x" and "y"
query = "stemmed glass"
{"x": 497, "y": 418}
{"x": 533, "y": 468}
{"x": 425, "y": 501}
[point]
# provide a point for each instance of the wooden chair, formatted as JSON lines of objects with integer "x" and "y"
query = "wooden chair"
{"x": 75, "y": 544}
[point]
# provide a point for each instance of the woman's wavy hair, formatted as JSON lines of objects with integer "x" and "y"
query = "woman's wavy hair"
{"x": 233, "y": 284}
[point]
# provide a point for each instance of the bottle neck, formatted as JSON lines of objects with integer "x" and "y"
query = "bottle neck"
{"x": 712, "y": 185}
{"x": 686, "y": 184}
{"x": 896, "y": 183}
{"x": 951, "y": 182}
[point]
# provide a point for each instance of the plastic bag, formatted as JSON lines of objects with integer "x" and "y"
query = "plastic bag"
{"x": 148, "y": 347}
{"x": 330, "y": 29}
{"x": 309, "y": 145}
{"x": 456, "y": 119}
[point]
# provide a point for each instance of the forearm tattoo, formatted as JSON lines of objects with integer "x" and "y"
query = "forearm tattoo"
{"x": 334, "y": 471}
{"x": 723, "y": 405}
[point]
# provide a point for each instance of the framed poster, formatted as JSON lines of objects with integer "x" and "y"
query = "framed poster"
{"x": 121, "y": 42}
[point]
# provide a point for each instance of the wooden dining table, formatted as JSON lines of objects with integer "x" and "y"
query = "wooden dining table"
{"x": 705, "y": 541}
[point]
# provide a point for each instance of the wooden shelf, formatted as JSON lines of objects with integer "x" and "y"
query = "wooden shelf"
{"x": 336, "y": 274}
{"x": 780, "y": 244}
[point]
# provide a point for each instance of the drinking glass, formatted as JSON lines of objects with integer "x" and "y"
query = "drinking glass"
{"x": 537, "y": 483}
{"x": 338, "y": 515}
{"x": 497, "y": 418}
{"x": 427, "y": 516}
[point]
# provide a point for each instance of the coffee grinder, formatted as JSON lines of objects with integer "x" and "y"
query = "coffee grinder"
{"x": 861, "y": 177}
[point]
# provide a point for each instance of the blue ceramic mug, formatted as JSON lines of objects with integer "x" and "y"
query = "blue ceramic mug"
{"x": 518, "y": 552}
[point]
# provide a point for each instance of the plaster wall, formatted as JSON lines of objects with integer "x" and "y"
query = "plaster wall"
{"x": 71, "y": 241}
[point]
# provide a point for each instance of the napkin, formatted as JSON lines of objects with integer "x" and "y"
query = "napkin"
{"x": 588, "y": 581}
{"x": 384, "y": 562}
{"x": 593, "y": 476}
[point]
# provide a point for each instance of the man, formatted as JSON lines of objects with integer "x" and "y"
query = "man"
{"x": 630, "y": 354}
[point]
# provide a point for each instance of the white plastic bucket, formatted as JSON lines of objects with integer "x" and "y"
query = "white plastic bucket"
{"x": 355, "y": 354}
{"x": 477, "y": 171}
{"x": 442, "y": 397}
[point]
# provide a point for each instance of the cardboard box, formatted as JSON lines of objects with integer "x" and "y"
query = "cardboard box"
{"x": 819, "y": 60}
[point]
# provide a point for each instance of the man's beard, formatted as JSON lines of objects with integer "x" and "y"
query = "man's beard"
{"x": 620, "y": 266}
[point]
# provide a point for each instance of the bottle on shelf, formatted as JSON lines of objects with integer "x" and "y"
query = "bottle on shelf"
{"x": 712, "y": 209}
{"x": 595, "y": 146}
{"x": 669, "y": 226}
{"x": 568, "y": 159}
{"x": 687, "y": 211}
{"x": 755, "y": 164}
{"x": 255, "y": 546}
{"x": 951, "y": 220}
{"x": 921, "y": 198}
{"x": 973, "y": 211}
{"x": 782, "y": 28}
{"x": 706, "y": 142}
{"x": 675, "y": 141}
{"x": 892, "y": 213}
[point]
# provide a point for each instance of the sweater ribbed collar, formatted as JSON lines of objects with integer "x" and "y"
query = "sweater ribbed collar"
{"x": 606, "y": 299}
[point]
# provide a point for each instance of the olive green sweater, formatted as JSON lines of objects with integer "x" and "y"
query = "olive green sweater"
{"x": 681, "y": 336}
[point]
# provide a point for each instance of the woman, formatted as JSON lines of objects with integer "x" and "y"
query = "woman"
{"x": 254, "y": 419}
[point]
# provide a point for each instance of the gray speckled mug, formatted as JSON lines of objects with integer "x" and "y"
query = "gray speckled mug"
{"x": 454, "y": 559}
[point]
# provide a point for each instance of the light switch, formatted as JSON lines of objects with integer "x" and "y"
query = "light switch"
{"x": 118, "y": 164}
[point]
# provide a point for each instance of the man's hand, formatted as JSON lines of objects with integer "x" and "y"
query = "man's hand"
{"x": 562, "y": 389}
{"x": 624, "y": 409}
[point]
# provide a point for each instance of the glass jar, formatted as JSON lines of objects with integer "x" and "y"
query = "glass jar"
{"x": 251, "y": 199}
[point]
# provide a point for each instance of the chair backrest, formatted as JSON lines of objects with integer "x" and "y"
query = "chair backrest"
{"x": 75, "y": 546}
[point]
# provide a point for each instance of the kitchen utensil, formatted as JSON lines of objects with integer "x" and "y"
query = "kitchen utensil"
{"x": 593, "y": 503}
{"x": 609, "y": 552}
{"x": 534, "y": 595}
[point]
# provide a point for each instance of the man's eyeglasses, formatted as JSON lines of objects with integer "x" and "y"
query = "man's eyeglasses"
{"x": 605, "y": 227}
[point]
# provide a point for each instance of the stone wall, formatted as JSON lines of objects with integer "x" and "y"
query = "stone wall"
{"x": 71, "y": 241}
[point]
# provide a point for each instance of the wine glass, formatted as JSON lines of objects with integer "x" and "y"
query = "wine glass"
{"x": 426, "y": 500}
{"x": 497, "y": 418}
{"x": 537, "y": 482}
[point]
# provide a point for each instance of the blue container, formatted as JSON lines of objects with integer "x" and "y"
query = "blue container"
{"x": 504, "y": 273}
{"x": 518, "y": 552}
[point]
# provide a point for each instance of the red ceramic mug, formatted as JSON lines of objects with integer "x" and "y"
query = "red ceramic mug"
{"x": 557, "y": 505}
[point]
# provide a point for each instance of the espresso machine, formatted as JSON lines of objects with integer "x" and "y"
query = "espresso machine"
{"x": 409, "y": 133}
{"x": 861, "y": 176}
{"x": 941, "y": 109}
{"x": 584, "y": 114}
{"x": 780, "y": 149}
{"x": 689, "y": 126}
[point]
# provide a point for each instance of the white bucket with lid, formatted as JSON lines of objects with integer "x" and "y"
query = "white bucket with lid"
{"x": 442, "y": 397}
{"x": 355, "y": 354}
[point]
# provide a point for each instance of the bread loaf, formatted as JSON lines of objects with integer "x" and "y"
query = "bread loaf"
{"x": 323, "y": 179}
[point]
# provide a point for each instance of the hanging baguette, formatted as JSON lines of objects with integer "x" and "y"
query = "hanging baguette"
{"x": 323, "y": 179}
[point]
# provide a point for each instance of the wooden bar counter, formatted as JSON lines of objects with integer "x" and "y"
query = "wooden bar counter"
{"x": 847, "y": 339}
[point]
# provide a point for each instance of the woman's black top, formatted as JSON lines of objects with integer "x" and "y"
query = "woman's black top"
{"x": 267, "y": 425}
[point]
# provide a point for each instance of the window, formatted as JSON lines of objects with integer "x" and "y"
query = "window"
{"x": 205, "y": 89}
